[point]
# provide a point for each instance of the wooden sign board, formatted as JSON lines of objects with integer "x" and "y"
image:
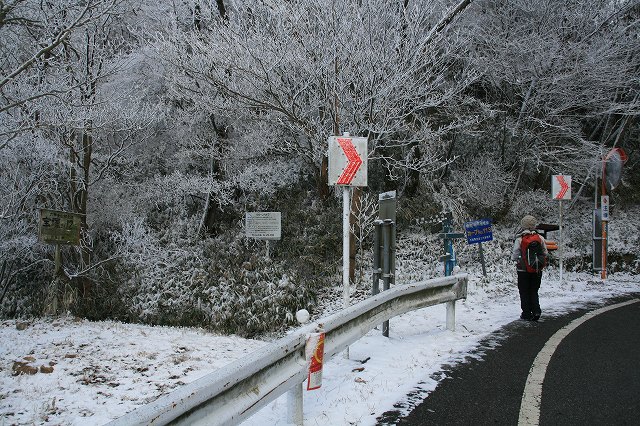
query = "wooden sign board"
{"x": 58, "y": 227}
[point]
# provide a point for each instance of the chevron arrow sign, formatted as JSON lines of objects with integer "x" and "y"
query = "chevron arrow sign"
{"x": 561, "y": 187}
{"x": 347, "y": 161}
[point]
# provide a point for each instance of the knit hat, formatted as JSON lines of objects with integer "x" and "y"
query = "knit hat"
{"x": 529, "y": 222}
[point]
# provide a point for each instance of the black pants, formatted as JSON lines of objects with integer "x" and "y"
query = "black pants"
{"x": 528, "y": 285}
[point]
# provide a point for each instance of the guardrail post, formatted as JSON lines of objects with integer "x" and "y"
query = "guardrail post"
{"x": 294, "y": 405}
{"x": 451, "y": 315}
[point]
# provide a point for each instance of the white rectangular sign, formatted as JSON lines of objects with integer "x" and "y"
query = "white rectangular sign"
{"x": 604, "y": 202}
{"x": 561, "y": 187}
{"x": 263, "y": 225}
{"x": 347, "y": 161}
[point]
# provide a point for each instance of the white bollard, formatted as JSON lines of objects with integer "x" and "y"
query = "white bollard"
{"x": 451, "y": 315}
{"x": 294, "y": 405}
{"x": 295, "y": 395}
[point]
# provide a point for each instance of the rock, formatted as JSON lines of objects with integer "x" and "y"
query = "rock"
{"x": 45, "y": 369}
{"x": 23, "y": 368}
{"x": 22, "y": 326}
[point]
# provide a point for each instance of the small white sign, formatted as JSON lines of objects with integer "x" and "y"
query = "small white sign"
{"x": 561, "y": 187}
{"x": 347, "y": 160}
{"x": 604, "y": 202}
{"x": 263, "y": 225}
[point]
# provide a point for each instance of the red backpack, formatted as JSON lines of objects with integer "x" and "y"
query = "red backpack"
{"x": 532, "y": 253}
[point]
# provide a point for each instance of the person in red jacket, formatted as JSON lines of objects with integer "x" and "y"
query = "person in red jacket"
{"x": 529, "y": 271}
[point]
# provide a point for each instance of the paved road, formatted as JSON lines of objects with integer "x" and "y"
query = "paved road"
{"x": 592, "y": 378}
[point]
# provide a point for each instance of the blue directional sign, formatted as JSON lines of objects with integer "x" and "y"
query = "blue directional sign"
{"x": 478, "y": 231}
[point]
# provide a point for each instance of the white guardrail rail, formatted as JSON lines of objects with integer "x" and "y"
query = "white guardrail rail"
{"x": 236, "y": 391}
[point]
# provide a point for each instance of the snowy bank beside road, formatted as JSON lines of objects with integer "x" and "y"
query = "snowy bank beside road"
{"x": 105, "y": 369}
{"x": 100, "y": 370}
{"x": 419, "y": 346}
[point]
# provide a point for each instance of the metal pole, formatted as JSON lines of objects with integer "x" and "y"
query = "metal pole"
{"x": 377, "y": 237}
{"x": 346, "y": 207}
{"x": 386, "y": 265}
{"x": 603, "y": 192}
{"x": 603, "y": 274}
{"x": 295, "y": 405}
{"x": 346, "y": 201}
{"x": 560, "y": 254}
{"x": 447, "y": 226}
{"x": 484, "y": 267}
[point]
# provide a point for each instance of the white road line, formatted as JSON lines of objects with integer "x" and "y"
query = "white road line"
{"x": 532, "y": 395}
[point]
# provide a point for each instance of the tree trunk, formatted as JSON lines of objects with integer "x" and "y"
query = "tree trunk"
{"x": 323, "y": 180}
{"x": 413, "y": 175}
{"x": 85, "y": 253}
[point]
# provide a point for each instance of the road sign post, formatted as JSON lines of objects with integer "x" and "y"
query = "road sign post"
{"x": 479, "y": 231}
{"x": 448, "y": 236}
{"x": 612, "y": 166}
{"x": 560, "y": 190}
{"x": 59, "y": 227}
{"x": 347, "y": 168}
{"x": 263, "y": 226}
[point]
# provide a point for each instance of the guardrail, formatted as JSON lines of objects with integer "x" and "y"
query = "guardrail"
{"x": 235, "y": 392}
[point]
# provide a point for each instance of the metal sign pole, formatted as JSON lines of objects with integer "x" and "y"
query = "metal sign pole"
{"x": 346, "y": 207}
{"x": 484, "y": 267}
{"x": 560, "y": 190}
{"x": 560, "y": 251}
{"x": 346, "y": 201}
{"x": 377, "y": 270}
{"x": 603, "y": 273}
{"x": 386, "y": 265}
{"x": 347, "y": 167}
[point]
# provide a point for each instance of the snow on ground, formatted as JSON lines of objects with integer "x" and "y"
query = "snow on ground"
{"x": 419, "y": 346}
{"x": 92, "y": 372}
{"x": 101, "y": 370}
{"x": 87, "y": 373}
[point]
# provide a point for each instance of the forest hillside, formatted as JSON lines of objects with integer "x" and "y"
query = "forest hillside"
{"x": 159, "y": 125}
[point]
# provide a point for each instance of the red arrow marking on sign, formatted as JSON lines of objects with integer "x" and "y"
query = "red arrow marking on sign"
{"x": 353, "y": 161}
{"x": 563, "y": 187}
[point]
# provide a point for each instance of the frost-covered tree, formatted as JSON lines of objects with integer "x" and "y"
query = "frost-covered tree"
{"x": 34, "y": 36}
{"x": 558, "y": 82}
{"x": 66, "y": 117}
{"x": 287, "y": 75}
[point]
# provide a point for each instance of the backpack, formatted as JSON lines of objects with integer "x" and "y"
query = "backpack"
{"x": 532, "y": 253}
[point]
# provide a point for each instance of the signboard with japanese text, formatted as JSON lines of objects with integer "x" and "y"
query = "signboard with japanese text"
{"x": 58, "y": 227}
{"x": 478, "y": 231}
{"x": 604, "y": 204}
{"x": 263, "y": 225}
